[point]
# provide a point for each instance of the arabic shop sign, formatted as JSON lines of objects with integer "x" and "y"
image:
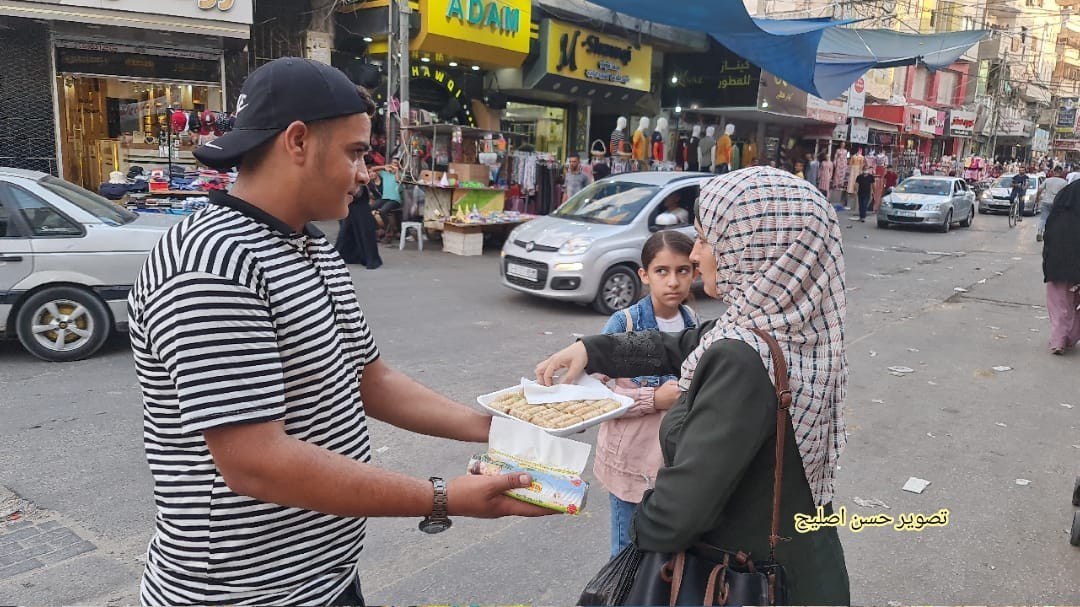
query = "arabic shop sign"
{"x": 493, "y": 32}
{"x": 232, "y": 11}
{"x": 779, "y": 97}
{"x": 584, "y": 54}
{"x": 716, "y": 79}
{"x": 856, "y": 99}
{"x": 1041, "y": 141}
{"x": 962, "y": 123}
{"x": 1015, "y": 127}
{"x": 446, "y": 81}
{"x": 1066, "y": 121}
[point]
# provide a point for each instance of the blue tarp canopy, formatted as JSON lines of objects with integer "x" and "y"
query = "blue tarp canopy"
{"x": 815, "y": 55}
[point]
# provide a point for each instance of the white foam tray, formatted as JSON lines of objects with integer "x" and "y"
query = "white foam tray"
{"x": 625, "y": 401}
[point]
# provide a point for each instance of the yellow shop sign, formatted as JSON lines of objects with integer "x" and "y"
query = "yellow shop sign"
{"x": 492, "y": 32}
{"x": 584, "y": 54}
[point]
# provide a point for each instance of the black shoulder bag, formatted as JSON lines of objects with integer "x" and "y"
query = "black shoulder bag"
{"x": 704, "y": 574}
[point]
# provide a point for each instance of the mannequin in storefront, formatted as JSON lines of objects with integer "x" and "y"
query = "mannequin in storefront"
{"x": 208, "y": 130}
{"x": 855, "y": 167}
{"x": 618, "y": 138}
{"x": 723, "y": 150}
{"x": 825, "y": 173}
{"x": 707, "y": 150}
{"x": 640, "y": 143}
{"x": 693, "y": 147}
{"x": 658, "y": 148}
{"x": 840, "y": 170}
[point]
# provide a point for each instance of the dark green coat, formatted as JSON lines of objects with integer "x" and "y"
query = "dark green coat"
{"x": 719, "y": 443}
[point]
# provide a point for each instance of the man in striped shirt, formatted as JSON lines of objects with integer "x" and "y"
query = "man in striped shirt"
{"x": 258, "y": 370}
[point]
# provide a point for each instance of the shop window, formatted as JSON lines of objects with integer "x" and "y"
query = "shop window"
{"x": 545, "y": 128}
{"x": 44, "y": 220}
{"x": 111, "y": 124}
{"x": 948, "y": 84}
{"x": 920, "y": 83}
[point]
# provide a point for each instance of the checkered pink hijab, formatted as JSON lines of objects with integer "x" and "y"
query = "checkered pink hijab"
{"x": 781, "y": 269}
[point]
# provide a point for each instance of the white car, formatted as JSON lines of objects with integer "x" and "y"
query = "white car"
{"x": 996, "y": 198}
{"x": 937, "y": 202}
{"x": 68, "y": 259}
{"x": 589, "y": 249}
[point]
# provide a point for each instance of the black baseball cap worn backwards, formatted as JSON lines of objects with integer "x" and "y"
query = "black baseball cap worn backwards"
{"x": 276, "y": 95}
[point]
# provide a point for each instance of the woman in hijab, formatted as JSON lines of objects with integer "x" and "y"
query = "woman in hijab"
{"x": 1061, "y": 269}
{"x": 357, "y": 241}
{"x": 769, "y": 246}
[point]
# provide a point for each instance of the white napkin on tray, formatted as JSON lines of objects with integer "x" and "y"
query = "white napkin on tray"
{"x": 585, "y": 388}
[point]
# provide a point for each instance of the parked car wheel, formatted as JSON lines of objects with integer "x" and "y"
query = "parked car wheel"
{"x": 61, "y": 324}
{"x": 881, "y": 223}
{"x": 947, "y": 224}
{"x": 1076, "y": 492}
{"x": 1074, "y": 539}
{"x": 619, "y": 289}
{"x": 1033, "y": 212}
{"x": 970, "y": 218}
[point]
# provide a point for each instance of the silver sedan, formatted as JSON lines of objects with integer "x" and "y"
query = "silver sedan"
{"x": 938, "y": 202}
{"x": 68, "y": 258}
{"x": 589, "y": 249}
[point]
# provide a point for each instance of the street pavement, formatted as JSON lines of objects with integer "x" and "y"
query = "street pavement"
{"x": 950, "y": 307}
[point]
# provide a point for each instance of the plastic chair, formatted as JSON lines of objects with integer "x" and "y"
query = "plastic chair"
{"x": 412, "y": 225}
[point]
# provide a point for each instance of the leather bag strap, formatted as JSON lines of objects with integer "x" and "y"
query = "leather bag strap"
{"x": 783, "y": 412}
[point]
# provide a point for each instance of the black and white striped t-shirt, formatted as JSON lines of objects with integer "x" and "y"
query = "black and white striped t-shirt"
{"x": 235, "y": 319}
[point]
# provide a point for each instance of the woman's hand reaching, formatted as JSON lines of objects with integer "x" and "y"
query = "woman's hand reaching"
{"x": 665, "y": 396}
{"x": 573, "y": 359}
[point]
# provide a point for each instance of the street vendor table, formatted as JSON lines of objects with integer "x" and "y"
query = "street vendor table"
{"x": 467, "y": 238}
{"x": 441, "y": 202}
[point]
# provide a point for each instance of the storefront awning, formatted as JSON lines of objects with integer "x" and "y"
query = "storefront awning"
{"x": 881, "y": 125}
{"x": 188, "y": 19}
{"x": 812, "y": 54}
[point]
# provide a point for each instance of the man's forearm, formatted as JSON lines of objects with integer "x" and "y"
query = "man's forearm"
{"x": 294, "y": 473}
{"x": 397, "y": 399}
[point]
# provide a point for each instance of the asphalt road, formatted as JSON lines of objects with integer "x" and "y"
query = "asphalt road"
{"x": 71, "y": 444}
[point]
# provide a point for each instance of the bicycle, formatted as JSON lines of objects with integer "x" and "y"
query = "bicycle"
{"x": 1014, "y": 210}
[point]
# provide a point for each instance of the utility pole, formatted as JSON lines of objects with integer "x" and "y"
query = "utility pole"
{"x": 391, "y": 39}
{"x": 996, "y": 101}
{"x": 403, "y": 64}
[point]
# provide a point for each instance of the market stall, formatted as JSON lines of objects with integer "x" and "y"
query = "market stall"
{"x": 462, "y": 174}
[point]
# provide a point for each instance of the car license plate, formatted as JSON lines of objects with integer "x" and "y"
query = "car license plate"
{"x": 513, "y": 269}
{"x": 900, "y": 213}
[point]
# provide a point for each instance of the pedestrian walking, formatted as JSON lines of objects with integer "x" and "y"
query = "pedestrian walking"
{"x": 1061, "y": 269}
{"x": 864, "y": 184}
{"x": 628, "y": 449}
{"x": 259, "y": 370}
{"x": 357, "y": 240}
{"x": 1048, "y": 191}
{"x": 770, "y": 247}
{"x": 574, "y": 178}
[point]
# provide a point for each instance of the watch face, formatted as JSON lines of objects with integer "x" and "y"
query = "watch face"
{"x": 433, "y": 526}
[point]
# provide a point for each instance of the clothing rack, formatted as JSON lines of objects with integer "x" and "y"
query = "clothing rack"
{"x": 537, "y": 174}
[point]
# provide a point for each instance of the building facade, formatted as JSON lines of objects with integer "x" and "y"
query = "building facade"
{"x": 94, "y": 85}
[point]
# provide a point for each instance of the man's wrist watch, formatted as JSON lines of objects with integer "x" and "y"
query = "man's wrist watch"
{"x": 438, "y": 521}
